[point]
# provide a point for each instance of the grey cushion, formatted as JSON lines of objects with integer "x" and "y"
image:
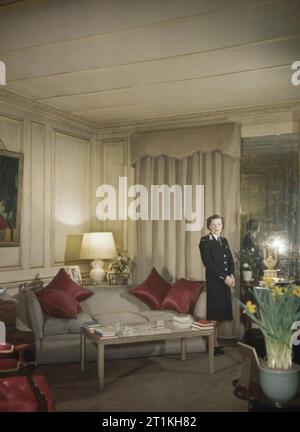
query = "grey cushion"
{"x": 112, "y": 299}
{"x": 56, "y": 326}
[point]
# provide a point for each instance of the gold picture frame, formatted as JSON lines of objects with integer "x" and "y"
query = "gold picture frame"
{"x": 11, "y": 179}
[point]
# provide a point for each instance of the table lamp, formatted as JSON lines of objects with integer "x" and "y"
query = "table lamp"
{"x": 97, "y": 246}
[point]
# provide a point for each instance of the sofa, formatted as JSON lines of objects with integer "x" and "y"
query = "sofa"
{"x": 57, "y": 340}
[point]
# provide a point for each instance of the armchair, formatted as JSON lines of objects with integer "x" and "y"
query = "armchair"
{"x": 20, "y": 393}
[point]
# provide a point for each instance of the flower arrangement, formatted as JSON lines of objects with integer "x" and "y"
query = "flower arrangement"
{"x": 274, "y": 311}
{"x": 121, "y": 264}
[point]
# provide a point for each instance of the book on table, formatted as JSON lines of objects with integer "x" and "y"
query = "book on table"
{"x": 105, "y": 332}
{"x": 203, "y": 324}
{"x": 91, "y": 324}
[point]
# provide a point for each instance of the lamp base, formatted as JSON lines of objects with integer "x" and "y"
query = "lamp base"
{"x": 97, "y": 273}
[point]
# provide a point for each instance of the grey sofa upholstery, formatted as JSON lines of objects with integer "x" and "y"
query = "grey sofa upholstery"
{"x": 58, "y": 340}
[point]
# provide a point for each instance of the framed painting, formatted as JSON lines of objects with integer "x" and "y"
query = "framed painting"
{"x": 11, "y": 176}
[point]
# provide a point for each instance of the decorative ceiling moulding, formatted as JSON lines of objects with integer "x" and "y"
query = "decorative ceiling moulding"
{"x": 115, "y": 135}
{"x": 113, "y": 140}
{"x": 195, "y": 119}
{"x": 47, "y": 111}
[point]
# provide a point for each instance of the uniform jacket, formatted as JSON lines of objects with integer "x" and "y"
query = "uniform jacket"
{"x": 216, "y": 258}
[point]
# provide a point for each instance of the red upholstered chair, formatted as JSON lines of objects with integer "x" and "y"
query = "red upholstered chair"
{"x": 20, "y": 393}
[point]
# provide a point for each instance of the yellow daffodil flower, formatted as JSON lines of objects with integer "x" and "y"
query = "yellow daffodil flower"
{"x": 296, "y": 291}
{"x": 251, "y": 307}
{"x": 279, "y": 290}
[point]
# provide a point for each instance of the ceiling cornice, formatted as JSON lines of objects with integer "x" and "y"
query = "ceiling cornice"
{"x": 47, "y": 111}
{"x": 128, "y": 127}
{"x": 195, "y": 119}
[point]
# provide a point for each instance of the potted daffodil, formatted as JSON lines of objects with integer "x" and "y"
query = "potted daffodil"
{"x": 276, "y": 311}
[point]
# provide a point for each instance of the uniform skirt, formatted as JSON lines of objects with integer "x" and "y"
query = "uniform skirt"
{"x": 218, "y": 305}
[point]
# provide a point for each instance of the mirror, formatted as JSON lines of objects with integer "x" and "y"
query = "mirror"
{"x": 270, "y": 194}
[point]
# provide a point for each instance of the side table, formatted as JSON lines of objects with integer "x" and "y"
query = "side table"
{"x": 8, "y": 311}
{"x": 8, "y": 314}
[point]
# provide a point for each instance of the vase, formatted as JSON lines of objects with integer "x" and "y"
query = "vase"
{"x": 247, "y": 275}
{"x": 280, "y": 385}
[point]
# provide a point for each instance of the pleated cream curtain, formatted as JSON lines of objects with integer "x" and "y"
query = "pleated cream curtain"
{"x": 167, "y": 245}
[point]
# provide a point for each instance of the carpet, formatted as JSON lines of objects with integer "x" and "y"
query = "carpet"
{"x": 153, "y": 384}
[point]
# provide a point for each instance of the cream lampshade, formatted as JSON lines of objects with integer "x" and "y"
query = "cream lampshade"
{"x": 98, "y": 246}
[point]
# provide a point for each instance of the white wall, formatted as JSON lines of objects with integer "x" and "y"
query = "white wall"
{"x": 113, "y": 160}
{"x": 56, "y": 195}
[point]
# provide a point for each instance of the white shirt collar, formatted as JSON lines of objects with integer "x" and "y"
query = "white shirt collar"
{"x": 216, "y": 237}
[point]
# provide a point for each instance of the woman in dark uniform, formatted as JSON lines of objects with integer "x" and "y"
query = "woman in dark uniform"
{"x": 218, "y": 262}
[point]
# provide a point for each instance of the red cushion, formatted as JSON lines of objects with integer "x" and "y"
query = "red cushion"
{"x": 83, "y": 294}
{"x": 58, "y": 303}
{"x": 62, "y": 281}
{"x": 17, "y": 396}
{"x": 153, "y": 290}
{"x": 183, "y": 295}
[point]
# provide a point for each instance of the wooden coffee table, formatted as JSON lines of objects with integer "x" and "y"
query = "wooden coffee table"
{"x": 174, "y": 334}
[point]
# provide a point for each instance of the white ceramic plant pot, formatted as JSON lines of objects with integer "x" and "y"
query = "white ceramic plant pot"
{"x": 247, "y": 275}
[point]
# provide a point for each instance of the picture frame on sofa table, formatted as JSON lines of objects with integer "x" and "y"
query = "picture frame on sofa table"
{"x": 74, "y": 273}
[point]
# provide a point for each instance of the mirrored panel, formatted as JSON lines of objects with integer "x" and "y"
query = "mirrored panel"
{"x": 270, "y": 203}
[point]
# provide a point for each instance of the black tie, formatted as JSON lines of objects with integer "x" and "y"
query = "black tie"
{"x": 219, "y": 240}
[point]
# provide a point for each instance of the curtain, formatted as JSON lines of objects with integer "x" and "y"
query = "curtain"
{"x": 184, "y": 142}
{"x": 166, "y": 244}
